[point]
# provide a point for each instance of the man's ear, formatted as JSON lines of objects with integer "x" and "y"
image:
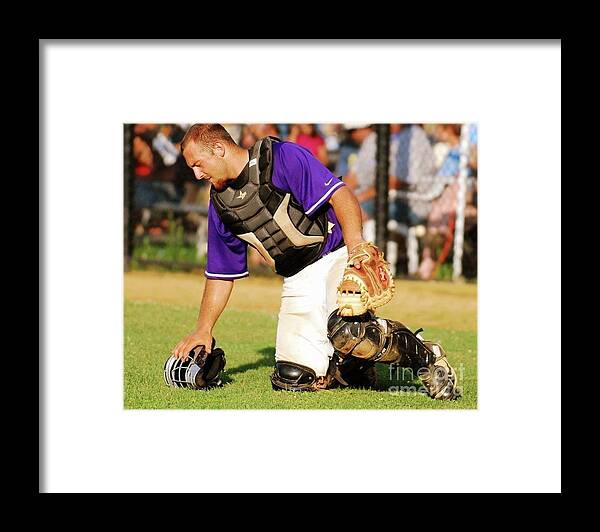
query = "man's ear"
{"x": 219, "y": 149}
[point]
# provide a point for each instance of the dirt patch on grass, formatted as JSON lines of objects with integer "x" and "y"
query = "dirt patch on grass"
{"x": 251, "y": 293}
{"x": 418, "y": 304}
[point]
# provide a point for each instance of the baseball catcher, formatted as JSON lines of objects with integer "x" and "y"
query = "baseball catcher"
{"x": 306, "y": 223}
{"x": 277, "y": 197}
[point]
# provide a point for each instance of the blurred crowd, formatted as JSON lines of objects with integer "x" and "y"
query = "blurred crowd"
{"x": 424, "y": 164}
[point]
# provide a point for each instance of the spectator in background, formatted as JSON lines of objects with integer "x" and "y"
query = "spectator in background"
{"x": 470, "y": 230}
{"x": 449, "y": 134}
{"x": 442, "y": 216}
{"x": 412, "y": 172}
{"x": 471, "y": 210}
{"x": 361, "y": 176}
{"x": 284, "y": 130}
{"x": 473, "y": 149}
{"x": 351, "y": 138}
{"x": 252, "y": 132}
{"x": 191, "y": 187}
{"x": 264, "y": 130}
{"x": 411, "y": 168}
{"x": 142, "y": 151}
{"x": 271, "y": 130}
{"x": 331, "y": 136}
{"x": 247, "y": 137}
{"x": 161, "y": 175}
{"x": 306, "y": 135}
{"x": 443, "y": 207}
{"x": 154, "y": 177}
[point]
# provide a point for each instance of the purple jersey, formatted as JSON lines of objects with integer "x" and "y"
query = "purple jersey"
{"x": 295, "y": 170}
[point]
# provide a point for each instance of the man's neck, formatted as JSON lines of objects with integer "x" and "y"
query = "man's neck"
{"x": 237, "y": 166}
{"x": 239, "y": 161}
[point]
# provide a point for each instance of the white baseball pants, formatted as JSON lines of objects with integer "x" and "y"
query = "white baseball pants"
{"x": 307, "y": 299}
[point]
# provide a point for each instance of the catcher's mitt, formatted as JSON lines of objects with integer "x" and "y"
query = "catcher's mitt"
{"x": 367, "y": 282}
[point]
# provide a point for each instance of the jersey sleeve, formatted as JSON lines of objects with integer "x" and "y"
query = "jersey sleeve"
{"x": 310, "y": 182}
{"x": 227, "y": 255}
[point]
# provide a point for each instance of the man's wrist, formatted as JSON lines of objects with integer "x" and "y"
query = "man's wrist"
{"x": 203, "y": 329}
{"x": 351, "y": 244}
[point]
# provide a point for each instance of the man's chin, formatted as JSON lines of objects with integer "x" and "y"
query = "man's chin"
{"x": 220, "y": 186}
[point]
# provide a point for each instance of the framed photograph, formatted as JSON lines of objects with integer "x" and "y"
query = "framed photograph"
{"x": 303, "y": 261}
{"x": 255, "y": 228}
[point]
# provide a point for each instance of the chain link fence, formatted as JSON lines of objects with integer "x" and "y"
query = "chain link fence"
{"x": 431, "y": 196}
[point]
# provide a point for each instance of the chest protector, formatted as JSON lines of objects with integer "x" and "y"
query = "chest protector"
{"x": 270, "y": 219}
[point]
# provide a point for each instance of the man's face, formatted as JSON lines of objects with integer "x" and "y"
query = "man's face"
{"x": 207, "y": 163}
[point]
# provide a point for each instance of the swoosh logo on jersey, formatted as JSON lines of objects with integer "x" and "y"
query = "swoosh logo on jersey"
{"x": 328, "y": 182}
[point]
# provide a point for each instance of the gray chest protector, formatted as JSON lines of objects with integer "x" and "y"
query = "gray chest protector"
{"x": 270, "y": 219}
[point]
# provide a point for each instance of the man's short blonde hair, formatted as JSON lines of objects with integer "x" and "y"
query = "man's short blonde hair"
{"x": 206, "y": 134}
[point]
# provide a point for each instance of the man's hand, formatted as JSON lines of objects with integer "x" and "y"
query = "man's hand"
{"x": 197, "y": 337}
{"x": 215, "y": 297}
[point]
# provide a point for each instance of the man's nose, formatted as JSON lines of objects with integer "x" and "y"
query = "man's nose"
{"x": 197, "y": 173}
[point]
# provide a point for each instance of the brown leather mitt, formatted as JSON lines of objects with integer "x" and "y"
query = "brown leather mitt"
{"x": 367, "y": 282}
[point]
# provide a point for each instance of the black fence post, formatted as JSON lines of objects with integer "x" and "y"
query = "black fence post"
{"x": 382, "y": 185}
{"x": 129, "y": 184}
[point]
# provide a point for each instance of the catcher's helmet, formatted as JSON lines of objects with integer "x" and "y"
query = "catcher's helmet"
{"x": 197, "y": 370}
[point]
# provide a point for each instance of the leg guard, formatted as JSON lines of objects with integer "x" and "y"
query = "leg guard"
{"x": 379, "y": 340}
{"x": 298, "y": 378}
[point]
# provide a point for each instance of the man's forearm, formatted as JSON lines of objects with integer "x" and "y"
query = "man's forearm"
{"x": 214, "y": 299}
{"x": 347, "y": 210}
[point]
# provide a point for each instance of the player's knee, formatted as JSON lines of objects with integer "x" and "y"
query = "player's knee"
{"x": 360, "y": 336}
{"x": 293, "y": 377}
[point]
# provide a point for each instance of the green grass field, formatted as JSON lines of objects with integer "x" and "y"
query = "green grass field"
{"x": 160, "y": 308}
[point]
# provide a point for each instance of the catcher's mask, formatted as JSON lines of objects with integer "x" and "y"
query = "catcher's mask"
{"x": 197, "y": 370}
